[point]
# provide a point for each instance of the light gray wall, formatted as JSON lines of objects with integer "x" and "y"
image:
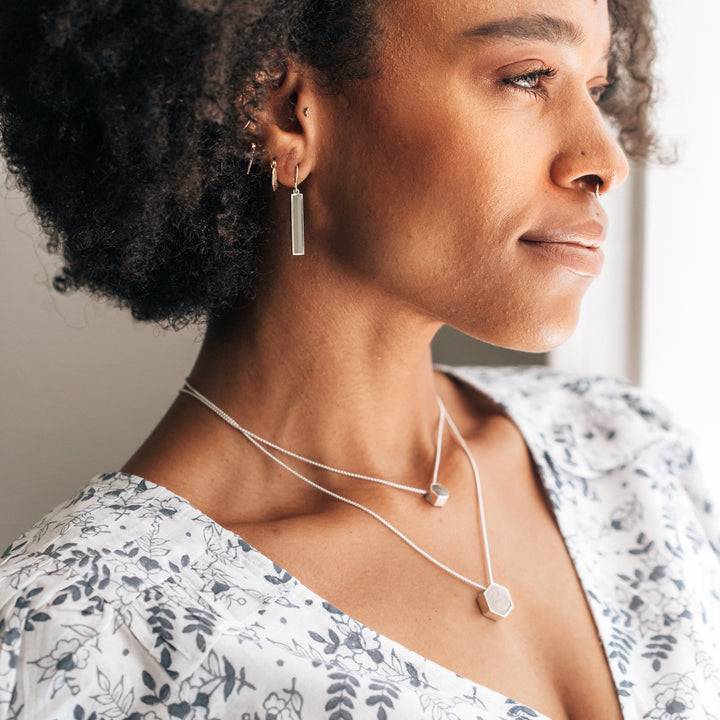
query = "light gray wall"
{"x": 82, "y": 384}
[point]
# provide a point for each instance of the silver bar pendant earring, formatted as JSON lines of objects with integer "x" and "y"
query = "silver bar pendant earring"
{"x": 297, "y": 218}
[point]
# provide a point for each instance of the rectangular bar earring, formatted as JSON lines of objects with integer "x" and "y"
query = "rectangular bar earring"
{"x": 297, "y": 218}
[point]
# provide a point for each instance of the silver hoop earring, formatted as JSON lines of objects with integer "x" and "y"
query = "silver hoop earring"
{"x": 297, "y": 218}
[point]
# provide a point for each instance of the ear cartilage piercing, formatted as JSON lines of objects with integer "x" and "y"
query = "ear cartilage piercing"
{"x": 297, "y": 218}
{"x": 273, "y": 174}
{"x": 252, "y": 157}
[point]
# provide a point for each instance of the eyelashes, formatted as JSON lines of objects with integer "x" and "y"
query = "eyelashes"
{"x": 601, "y": 92}
{"x": 534, "y": 83}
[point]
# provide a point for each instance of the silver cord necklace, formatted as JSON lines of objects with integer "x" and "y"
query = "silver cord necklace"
{"x": 494, "y": 600}
{"x": 436, "y": 494}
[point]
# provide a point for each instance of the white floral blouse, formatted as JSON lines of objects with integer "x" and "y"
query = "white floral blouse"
{"x": 127, "y": 602}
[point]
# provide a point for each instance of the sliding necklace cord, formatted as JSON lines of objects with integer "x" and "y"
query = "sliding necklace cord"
{"x": 494, "y": 600}
{"x": 188, "y": 389}
{"x": 438, "y": 441}
{"x": 478, "y": 490}
{"x": 373, "y": 514}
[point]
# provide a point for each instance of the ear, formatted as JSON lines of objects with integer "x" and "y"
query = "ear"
{"x": 286, "y": 127}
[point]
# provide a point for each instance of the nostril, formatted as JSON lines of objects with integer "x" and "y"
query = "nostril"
{"x": 592, "y": 183}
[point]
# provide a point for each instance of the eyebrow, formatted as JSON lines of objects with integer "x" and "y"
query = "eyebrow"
{"x": 531, "y": 27}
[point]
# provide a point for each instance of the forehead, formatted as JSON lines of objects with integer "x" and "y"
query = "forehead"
{"x": 551, "y": 20}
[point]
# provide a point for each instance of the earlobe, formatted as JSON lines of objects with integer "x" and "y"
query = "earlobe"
{"x": 285, "y": 128}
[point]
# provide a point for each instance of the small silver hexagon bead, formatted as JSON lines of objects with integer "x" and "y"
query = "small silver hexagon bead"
{"x": 437, "y": 495}
{"x": 495, "y": 602}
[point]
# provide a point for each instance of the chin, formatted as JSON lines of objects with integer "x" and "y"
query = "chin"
{"x": 532, "y": 334}
{"x": 549, "y": 336}
{"x": 547, "y": 341}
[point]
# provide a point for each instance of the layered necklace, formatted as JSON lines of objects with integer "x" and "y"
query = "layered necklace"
{"x": 494, "y": 600}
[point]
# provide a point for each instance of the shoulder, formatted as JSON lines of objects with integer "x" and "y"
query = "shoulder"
{"x": 588, "y": 426}
{"x": 101, "y": 521}
{"x": 594, "y": 407}
{"x": 596, "y": 431}
{"x": 555, "y": 396}
{"x": 123, "y": 581}
{"x": 558, "y": 390}
{"x": 123, "y": 536}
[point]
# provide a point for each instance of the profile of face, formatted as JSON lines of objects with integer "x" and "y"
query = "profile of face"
{"x": 460, "y": 181}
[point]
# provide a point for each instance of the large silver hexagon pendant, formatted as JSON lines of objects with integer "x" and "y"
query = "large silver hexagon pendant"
{"x": 495, "y": 602}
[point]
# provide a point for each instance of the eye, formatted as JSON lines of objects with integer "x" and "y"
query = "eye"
{"x": 532, "y": 82}
{"x": 599, "y": 92}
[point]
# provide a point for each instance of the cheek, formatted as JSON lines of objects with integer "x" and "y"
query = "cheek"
{"x": 424, "y": 202}
{"x": 421, "y": 173}
{"x": 429, "y": 205}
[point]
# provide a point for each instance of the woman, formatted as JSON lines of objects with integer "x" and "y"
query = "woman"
{"x": 450, "y": 157}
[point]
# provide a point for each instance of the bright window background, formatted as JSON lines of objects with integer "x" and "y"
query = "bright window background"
{"x": 653, "y": 316}
{"x": 681, "y": 299}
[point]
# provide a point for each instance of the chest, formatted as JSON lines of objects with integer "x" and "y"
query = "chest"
{"x": 545, "y": 655}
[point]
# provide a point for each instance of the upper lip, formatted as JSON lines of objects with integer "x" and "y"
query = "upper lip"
{"x": 589, "y": 234}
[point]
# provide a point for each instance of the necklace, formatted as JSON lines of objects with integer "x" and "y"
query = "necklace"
{"x": 436, "y": 494}
{"x": 494, "y": 600}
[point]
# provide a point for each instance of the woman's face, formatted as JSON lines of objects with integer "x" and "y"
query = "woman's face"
{"x": 461, "y": 180}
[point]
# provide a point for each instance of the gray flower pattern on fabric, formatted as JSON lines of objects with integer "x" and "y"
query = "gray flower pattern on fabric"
{"x": 127, "y": 603}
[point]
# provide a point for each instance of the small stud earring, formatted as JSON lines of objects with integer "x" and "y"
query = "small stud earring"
{"x": 252, "y": 157}
{"x": 306, "y": 112}
{"x": 297, "y": 219}
{"x": 273, "y": 174}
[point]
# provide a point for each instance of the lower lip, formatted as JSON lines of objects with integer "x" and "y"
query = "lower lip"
{"x": 583, "y": 260}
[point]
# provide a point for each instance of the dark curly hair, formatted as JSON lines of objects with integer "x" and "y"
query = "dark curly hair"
{"x": 121, "y": 120}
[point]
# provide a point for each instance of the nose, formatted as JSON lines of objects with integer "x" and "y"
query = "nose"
{"x": 589, "y": 155}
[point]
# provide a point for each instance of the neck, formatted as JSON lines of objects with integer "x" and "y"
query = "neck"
{"x": 320, "y": 366}
{"x": 326, "y": 381}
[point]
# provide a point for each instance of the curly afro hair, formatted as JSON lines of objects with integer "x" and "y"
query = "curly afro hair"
{"x": 121, "y": 120}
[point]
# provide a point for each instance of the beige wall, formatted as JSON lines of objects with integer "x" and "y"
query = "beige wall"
{"x": 82, "y": 384}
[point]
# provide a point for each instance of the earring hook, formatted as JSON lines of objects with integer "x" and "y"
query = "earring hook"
{"x": 253, "y": 147}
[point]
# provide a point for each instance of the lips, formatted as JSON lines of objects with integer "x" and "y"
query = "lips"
{"x": 577, "y": 247}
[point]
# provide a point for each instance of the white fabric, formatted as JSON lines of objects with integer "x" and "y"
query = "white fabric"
{"x": 127, "y": 602}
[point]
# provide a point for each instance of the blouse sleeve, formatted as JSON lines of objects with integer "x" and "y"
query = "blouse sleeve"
{"x": 65, "y": 653}
{"x": 704, "y": 498}
{"x": 688, "y": 472}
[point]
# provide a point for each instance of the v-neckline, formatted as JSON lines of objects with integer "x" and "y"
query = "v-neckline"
{"x": 539, "y": 459}
{"x": 293, "y": 587}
